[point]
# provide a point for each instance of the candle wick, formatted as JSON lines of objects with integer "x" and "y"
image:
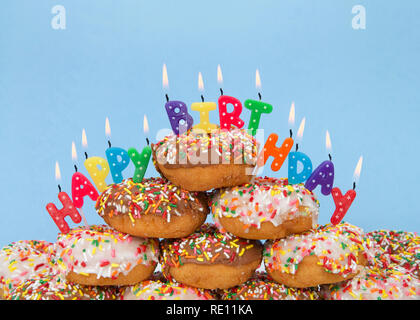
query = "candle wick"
{"x": 291, "y": 133}
{"x": 202, "y": 98}
{"x": 221, "y": 91}
{"x": 259, "y": 95}
{"x": 167, "y": 97}
{"x": 109, "y": 143}
{"x": 75, "y": 168}
{"x": 329, "y": 156}
{"x": 59, "y": 188}
{"x": 297, "y": 147}
{"x": 86, "y": 155}
{"x": 147, "y": 140}
{"x": 354, "y": 185}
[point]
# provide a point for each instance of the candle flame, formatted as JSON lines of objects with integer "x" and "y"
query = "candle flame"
{"x": 301, "y": 128}
{"x": 219, "y": 75}
{"x": 165, "y": 81}
{"x": 84, "y": 139}
{"x": 200, "y": 82}
{"x": 73, "y": 152}
{"x": 328, "y": 141}
{"x": 57, "y": 172}
{"x": 107, "y": 128}
{"x": 358, "y": 169}
{"x": 292, "y": 114}
{"x": 145, "y": 125}
{"x": 257, "y": 80}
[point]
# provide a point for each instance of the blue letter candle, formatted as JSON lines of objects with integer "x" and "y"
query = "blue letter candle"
{"x": 116, "y": 166}
{"x": 294, "y": 176}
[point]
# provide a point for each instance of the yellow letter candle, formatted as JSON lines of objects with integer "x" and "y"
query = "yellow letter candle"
{"x": 98, "y": 169}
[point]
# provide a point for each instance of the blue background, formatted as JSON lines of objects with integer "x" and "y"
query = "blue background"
{"x": 361, "y": 85}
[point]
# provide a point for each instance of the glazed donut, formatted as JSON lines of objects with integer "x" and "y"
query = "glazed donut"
{"x": 261, "y": 287}
{"x": 56, "y": 288}
{"x": 164, "y": 290}
{"x": 267, "y": 208}
{"x": 203, "y": 161}
{"x": 102, "y": 256}
{"x": 23, "y": 260}
{"x": 209, "y": 259}
{"x": 399, "y": 247}
{"x": 394, "y": 283}
{"x": 327, "y": 254}
{"x": 154, "y": 208}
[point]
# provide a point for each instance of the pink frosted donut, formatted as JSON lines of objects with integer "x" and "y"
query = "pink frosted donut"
{"x": 23, "y": 260}
{"x": 100, "y": 255}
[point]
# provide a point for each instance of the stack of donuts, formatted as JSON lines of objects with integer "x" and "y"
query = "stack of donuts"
{"x": 264, "y": 242}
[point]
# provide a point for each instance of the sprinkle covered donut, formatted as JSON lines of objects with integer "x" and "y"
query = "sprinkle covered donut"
{"x": 164, "y": 290}
{"x": 209, "y": 259}
{"x": 261, "y": 287}
{"x": 327, "y": 254}
{"x": 393, "y": 283}
{"x": 203, "y": 161}
{"x": 398, "y": 247}
{"x": 56, "y": 288}
{"x": 267, "y": 208}
{"x": 101, "y": 256}
{"x": 23, "y": 260}
{"x": 154, "y": 208}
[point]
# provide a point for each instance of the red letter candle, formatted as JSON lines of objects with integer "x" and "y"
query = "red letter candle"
{"x": 342, "y": 204}
{"x": 227, "y": 119}
{"x": 68, "y": 210}
{"x": 279, "y": 154}
{"x": 81, "y": 187}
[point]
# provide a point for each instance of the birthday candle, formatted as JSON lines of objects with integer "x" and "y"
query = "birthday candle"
{"x": 117, "y": 166}
{"x": 271, "y": 150}
{"x": 257, "y": 107}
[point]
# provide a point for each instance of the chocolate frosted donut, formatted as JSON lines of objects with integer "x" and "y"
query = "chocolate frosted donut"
{"x": 261, "y": 287}
{"x": 154, "y": 208}
{"x": 102, "y": 256}
{"x": 209, "y": 259}
{"x": 56, "y": 288}
{"x": 327, "y": 254}
{"x": 267, "y": 208}
{"x": 203, "y": 161}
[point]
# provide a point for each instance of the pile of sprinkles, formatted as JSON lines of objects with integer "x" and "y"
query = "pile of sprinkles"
{"x": 221, "y": 146}
{"x": 206, "y": 246}
{"x": 336, "y": 246}
{"x": 265, "y": 200}
{"x": 152, "y": 196}
{"x": 160, "y": 290}
{"x": 23, "y": 260}
{"x": 55, "y": 288}
{"x": 103, "y": 251}
{"x": 397, "y": 247}
{"x": 392, "y": 283}
{"x": 261, "y": 287}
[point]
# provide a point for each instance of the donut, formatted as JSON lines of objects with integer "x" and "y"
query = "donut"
{"x": 102, "y": 256}
{"x": 399, "y": 247}
{"x": 198, "y": 161}
{"x": 267, "y": 208}
{"x": 393, "y": 283}
{"x": 327, "y": 254}
{"x": 56, "y": 288}
{"x": 261, "y": 287}
{"x": 154, "y": 208}
{"x": 209, "y": 259}
{"x": 23, "y": 260}
{"x": 165, "y": 290}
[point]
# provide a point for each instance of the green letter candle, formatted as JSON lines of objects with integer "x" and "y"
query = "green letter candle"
{"x": 257, "y": 108}
{"x": 140, "y": 161}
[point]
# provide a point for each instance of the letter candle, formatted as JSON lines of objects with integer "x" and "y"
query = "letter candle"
{"x": 179, "y": 118}
{"x": 141, "y": 160}
{"x": 204, "y": 108}
{"x": 257, "y": 107}
{"x": 297, "y": 157}
{"x": 97, "y": 167}
{"x": 343, "y": 203}
{"x": 324, "y": 174}
{"x": 81, "y": 187}
{"x": 227, "y": 119}
{"x": 118, "y": 158}
{"x": 68, "y": 207}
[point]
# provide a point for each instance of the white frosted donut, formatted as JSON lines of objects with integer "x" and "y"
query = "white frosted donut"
{"x": 103, "y": 251}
